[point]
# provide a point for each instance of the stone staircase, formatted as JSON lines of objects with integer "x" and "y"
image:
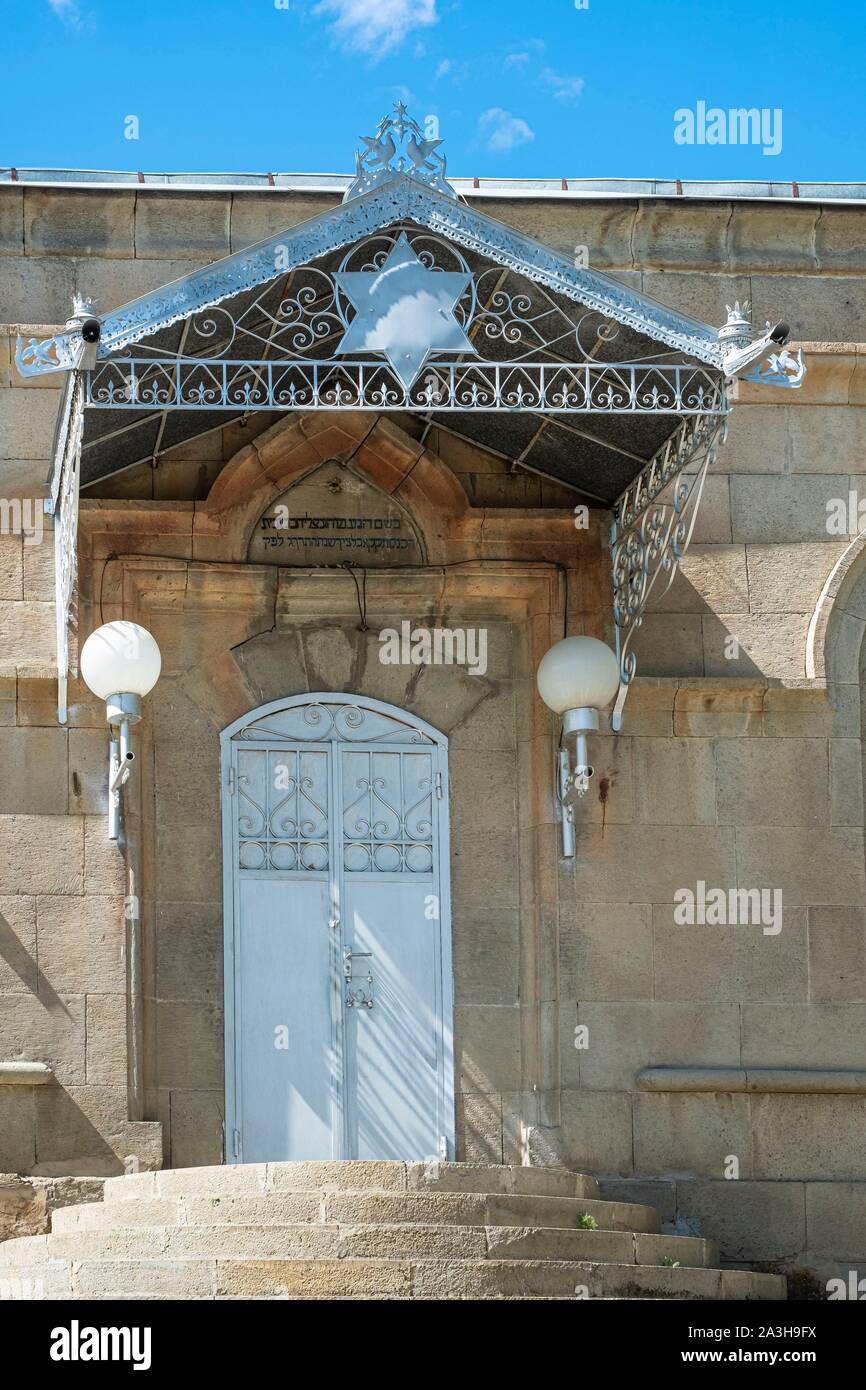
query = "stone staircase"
{"x": 365, "y": 1230}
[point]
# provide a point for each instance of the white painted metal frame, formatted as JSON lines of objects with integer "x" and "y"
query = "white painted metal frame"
{"x": 438, "y": 747}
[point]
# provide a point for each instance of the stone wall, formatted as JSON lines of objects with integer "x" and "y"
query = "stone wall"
{"x": 740, "y": 764}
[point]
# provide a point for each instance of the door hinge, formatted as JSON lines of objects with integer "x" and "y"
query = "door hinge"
{"x": 232, "y": 781}
{"x": 236, "y": 1143}
{"x": 439, "y": 791}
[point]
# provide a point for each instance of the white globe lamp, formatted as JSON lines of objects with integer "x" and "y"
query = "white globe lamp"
{"x": 120, "y": 662}
{"x": 576, "y": 678}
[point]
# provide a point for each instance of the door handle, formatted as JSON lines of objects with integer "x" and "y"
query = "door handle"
{"x": 333, "y": 923}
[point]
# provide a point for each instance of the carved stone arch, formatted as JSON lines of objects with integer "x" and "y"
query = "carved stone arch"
{"x": 838, "y": 624}
{"x": 391, "y": 460}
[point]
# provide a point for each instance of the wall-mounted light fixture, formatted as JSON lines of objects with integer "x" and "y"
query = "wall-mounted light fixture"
{"x": 578, "y": 677}
{"x": 120, "y": 663}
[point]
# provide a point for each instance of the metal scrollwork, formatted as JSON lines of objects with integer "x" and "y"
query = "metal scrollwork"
{"x": 651, "y": 533}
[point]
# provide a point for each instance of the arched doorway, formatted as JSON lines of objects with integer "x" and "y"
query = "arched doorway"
{"x": 338, "y": 983}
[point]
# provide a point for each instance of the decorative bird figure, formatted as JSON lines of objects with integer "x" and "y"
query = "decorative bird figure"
{"x": 379, "y": 153}
{"x": 420, "y": 150}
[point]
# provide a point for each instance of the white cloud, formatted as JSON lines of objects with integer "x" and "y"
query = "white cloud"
{"x": 444, "y": 68}
{"x": 504, "y": 131}
{"x": 377, "y": 26}
{"x": 516, "y": 60}
{"x": 564, "y": 89}
{"x": 67, "y": 12}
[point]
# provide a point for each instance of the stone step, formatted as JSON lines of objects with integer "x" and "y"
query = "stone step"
{"x": 321, "y": 1241}
{"x": 344, "y": 1207}
{"x": 251, "y": 1178}
{"x": 388, "y": 1279}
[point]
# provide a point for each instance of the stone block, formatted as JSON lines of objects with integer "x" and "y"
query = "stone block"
{"x": 88, "y": 772}
{"x": 187, "y": 226}
{"x": 487, "y": 1047}
{"x": 735, "y": 712}
{"x": 36, "y": 289}
{"x": 11, "y": 567}
{"x": 38, "y": 556}
{"x": 479, "y": 1128}
{"x": 773, "y": 781}
{"x": 81, "y": 944}
{"x": 837, "y": 954}
{"x": 691, "y": 1134}
{"x": 17, "y": 1128}
{"x": 789, "y": 578}
{"x": 606, "y": 951}
{"x": 710, "y": 576}
{"x": 819, "y": 308}
{"x": 772, "y": 237}
{"x": 660, "y": 1193}
{"x": 597, "y": 1131}
{"x": 822, "y": 436}
{"x": 486, "y": 947}
{"x": 625, "y": 1037}
{"x": 28, "y": 631}
{"x": 768, "y": 510}
{"x": 846, "y": 781}
{"x": 196, "y": 1119}
{"x": 836, "y": 1221}
{"x": 750, "y": 644}
{"x": 41, "y": 854}
{"x": 18, "y": 970}
{"x": 12, "y": 221}
{"x": 78, "y": 222}
{"x": 47, "y": 1029}
{"x": 104, "y": 868}
{"x": 113, "y": 283}
{"x": 730, "y": 963}
{"x": 703, "y": 297}
{"x": 187, "y": 862}
{"x": 27, "y": 424}
{"x": 818, "y": 1035}
{"x": 257, "y": 216}
{"x": 189, "y": 1046}
{"x": 674, "y": 781}
{"x": 758, "y": 440}
{"x": 814, "y": 1137}
{"x": 807, "y": 869}
{"x": 681, "y": 236}
{"x": 648, "y": 863}
{"x": 484, "y": 791}
{"x": 749, "y": 1221}
{"x": 34, "y": 772}
{"x": 106, "y": 1050}
{"x": 485, "y": 871}
{"x": 189, "y": 952}
{"x": 670, "y": 644}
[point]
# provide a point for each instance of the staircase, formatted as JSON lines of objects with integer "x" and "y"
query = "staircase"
{"x": 365, "y": 1230}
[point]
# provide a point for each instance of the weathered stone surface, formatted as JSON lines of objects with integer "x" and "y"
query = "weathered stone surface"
{"x": 12, "y": 221}
{"x": 41, "y": 854}
{"x": 18, "y": 969}
{"x": 731, "y": 964}
{"x": 597, "y": 1131}
{"x": 78, "y": 222}
{"x": 47, "y": 1030}
{"x": 486, "y": 947}
{"x": 769, "y": 510}
{"x": 182, "y": 226}
{"x": 189, "y": 951}
{"x": 81, "y": 944}
{"x": 623, "y": 1037}
{"x": 34, "y": 765}
{"x": 772, "y": 781}
{"x": 190, "y": 1045}
{"x": 837, "y": 954}
{"x": 748, "y": 1220}
{"x": 783, "y": 858}
{"x": 814, "y": 1137}
{"x": 486, "y": 1047}
{"x": 606, "y": 951}
{"x": 692, "y": 1134}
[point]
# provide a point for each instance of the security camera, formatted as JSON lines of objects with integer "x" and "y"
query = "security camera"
{"x": 91, "y": 330}
{"x": 780, "y": 334}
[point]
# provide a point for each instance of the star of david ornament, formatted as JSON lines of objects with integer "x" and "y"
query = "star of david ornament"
{"x": 404, "y": 310}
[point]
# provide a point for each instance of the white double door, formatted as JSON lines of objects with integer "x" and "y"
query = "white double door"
{"x": 338, "y": 971}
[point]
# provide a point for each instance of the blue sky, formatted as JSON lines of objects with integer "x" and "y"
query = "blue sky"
{"x": 540, "y": 89}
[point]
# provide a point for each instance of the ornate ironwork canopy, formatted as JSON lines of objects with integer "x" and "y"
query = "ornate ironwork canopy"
{"x": 406, "y": 299}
